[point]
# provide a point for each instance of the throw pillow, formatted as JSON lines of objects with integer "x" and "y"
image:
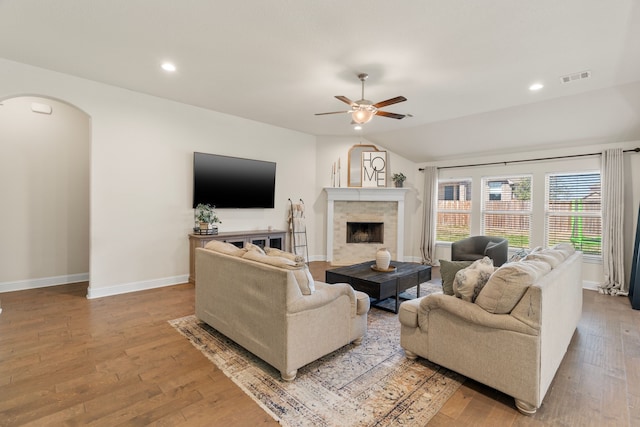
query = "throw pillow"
{"x": 508, "y": 284}
{"x": 251, "y": 247}
{"x": 518, "y": 255}
{"x": 225, "y": 248}
{"x": 469, "y": 281}
{"x": 448, "y": 270}
{"x": 305, "y": 280}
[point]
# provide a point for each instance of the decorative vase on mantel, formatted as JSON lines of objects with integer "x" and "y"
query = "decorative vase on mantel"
{"x": 383, "y": 259}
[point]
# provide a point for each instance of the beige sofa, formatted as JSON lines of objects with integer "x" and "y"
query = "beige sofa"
{"x": 515, "y": 350}
{"x": 262, "y": 308}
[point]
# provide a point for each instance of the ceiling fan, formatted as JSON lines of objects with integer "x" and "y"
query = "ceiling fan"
{"x": 363, "y": 110}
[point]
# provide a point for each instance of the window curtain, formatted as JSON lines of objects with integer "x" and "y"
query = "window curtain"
{"x": 612, "y": 223}
{"x": 428, "y": 243}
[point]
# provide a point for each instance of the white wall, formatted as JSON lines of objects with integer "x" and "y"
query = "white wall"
{"x": 592, "y": 270}
{"x": 141, "y": 178}
{"x": 44, "y": 182}
{"x": 141, "y": 174}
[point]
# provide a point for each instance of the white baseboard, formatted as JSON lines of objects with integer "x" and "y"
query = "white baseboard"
{"x": 590, "y": 285}
{"x": 135, "y": 286}
{"x": 22, "y": 285}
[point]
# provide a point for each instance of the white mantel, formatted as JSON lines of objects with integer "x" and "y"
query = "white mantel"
{"x": 386, "y": 194}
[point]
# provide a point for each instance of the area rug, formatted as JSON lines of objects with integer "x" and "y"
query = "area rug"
{"x": 433, "y": 286}
{"x": 372, "y": 384}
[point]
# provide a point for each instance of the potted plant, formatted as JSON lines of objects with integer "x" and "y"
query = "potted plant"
{"x": 398, "y": 179}
{"x": 207, "y": 218}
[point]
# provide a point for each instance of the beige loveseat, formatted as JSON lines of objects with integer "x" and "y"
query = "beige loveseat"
{"x": 262, "y": 307}
{"x": 516, "y": 350}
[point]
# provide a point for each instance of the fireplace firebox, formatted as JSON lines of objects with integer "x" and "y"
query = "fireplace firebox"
{"x": 365, "y": 232}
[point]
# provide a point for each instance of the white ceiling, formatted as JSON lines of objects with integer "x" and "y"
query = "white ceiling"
{"x": 464, "y": 65}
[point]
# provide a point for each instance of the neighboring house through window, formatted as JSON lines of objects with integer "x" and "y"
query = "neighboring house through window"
{"x": 454, "y": 210}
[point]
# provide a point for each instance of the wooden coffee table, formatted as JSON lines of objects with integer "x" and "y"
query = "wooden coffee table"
{"x": 381, "y": 285}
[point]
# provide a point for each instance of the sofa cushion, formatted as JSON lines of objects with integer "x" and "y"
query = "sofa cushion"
{"x": 550, "y": 256}
{"x": 552, "y": 261}
{"x": 255, "y": 248}
{"x": 566, "y": 248}
{"x": 298, "y": 259}
{"x": 225, "y": 248}
{"x": 276, "y": 261}
{"x": 508, "y": 284}
{"x": 469, "y": 281}
{"x": 561, "y": 255}
{"x": 448, "y": 270}
{"x": 300, "y": 271}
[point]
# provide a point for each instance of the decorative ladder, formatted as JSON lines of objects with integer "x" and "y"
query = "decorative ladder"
{"x": 298, "y": 229}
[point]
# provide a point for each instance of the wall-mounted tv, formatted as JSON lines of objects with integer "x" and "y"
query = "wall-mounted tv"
{"x": 232, "y": 182}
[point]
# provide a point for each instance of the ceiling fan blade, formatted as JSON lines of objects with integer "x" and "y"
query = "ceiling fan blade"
{"x": 390, "y": 115}
{"x": 346, "y": 100}
{"x": 390, "y": 101}
{"x": 333, "y": 112}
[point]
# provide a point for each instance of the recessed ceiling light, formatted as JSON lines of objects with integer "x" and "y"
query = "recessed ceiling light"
{"x": 536, "y": 86}
{"x": 357, "y": 127}
{"x": 168, "y": 66}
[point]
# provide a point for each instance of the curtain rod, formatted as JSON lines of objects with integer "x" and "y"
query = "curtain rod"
{"x": 635, "y": 150}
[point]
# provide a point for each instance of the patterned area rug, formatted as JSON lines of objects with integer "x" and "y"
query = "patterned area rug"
{"x": 433, "y": 286}
{"x": 366, "y": 385}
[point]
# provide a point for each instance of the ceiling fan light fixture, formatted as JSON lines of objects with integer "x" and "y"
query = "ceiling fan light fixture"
{"x": 362, "y": 115}
{"x": 363, "y": 110}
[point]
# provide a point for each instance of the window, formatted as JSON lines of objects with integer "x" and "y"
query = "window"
{"x": 506, "y": 209}
{"x": 574, "y": 211}
{"x": 495, "y": 190}
{"x": 454, "y": 210}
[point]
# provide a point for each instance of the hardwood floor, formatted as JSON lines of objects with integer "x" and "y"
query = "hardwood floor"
{"x": 66, "y": 360}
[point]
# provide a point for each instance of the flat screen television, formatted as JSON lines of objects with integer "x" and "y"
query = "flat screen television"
{"x": 233, "y": 182}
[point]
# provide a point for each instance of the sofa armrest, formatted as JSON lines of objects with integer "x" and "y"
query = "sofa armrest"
{"x": 323, "y": 295}
{"x": 408, "y": 313}
{"x": 363, "y": 303}
{"x": 471, "y": 313}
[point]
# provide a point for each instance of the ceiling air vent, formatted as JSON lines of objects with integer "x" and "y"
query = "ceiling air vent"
{"x": 575, "y": 76}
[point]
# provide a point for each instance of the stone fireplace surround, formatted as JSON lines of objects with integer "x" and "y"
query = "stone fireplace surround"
{"x": 364, "y": 204}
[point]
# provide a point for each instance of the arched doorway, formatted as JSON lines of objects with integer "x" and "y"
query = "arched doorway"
{"x": 44, "y": 188}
